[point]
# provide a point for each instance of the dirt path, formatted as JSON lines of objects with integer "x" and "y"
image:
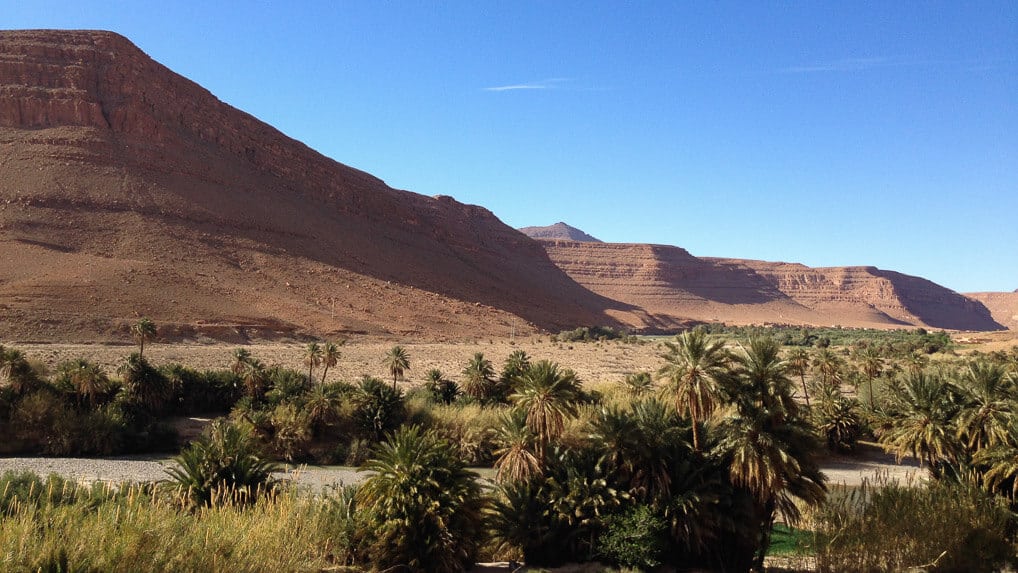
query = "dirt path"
{"x": 848, "y": 471}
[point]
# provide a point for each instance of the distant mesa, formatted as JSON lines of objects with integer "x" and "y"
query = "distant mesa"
{"x": 558, "y": 231}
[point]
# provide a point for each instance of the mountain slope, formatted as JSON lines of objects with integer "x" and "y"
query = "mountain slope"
{"x": 674, "y": 287}
{"x": 1003, "y": 306}
{"x": 126, "y": 190}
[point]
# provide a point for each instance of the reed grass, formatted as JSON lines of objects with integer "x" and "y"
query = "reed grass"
{"x": 135, "y": 527}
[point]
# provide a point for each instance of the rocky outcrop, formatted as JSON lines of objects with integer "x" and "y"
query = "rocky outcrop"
{"x": 904, "y": 299}
{"x": 126, "y": 188}
{"x": 558, "y": 231}
{"x": 1002, "y": 305}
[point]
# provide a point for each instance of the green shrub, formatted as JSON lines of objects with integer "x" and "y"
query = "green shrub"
{"x": 634, "y": 539}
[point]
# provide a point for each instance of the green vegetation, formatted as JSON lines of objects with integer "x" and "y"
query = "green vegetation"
{"x": 711, "y": 464}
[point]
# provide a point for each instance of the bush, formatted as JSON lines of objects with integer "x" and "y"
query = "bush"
{"x": 634, "y": 539}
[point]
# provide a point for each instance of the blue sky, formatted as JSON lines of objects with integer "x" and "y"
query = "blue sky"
{"x": 830, "y": 134}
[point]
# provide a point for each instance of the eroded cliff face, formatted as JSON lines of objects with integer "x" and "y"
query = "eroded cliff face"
{"x": 904, "y": 299}
{"x": 112, "y": 161}
{"x": 669, "y": 282}
{"x": 1002, "y": 305}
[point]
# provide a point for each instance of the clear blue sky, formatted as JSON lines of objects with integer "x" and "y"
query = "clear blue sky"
{"x": 843, "y": 133}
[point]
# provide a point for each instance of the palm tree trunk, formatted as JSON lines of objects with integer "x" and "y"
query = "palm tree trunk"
{"x": 696, "y": 430}
{"x": 805, "y": 392}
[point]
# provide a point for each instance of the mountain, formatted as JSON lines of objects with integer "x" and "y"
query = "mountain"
{"x": 128, "y": 190}
{"x": 674, "y": 287}
{"x": 1003, "y": 306}
{"x": 558, "y": 231}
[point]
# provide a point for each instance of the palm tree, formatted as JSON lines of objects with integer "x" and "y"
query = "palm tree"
{"x": 424, "y": 506}
{"x": 548, "y": 396}
{"x": 515, "y": 459}
{"x": 223, "y": 464}
{"x": 88, "y": 379}
{"x": 762, "y": 373}
{"x": 514, "y": 366}
{"x": 15, "y": 371}
{"x": 695, "y": 369}
{"x": 771, "y": 451}
{"x": 478, "y": 377}
{"x": 312, "y": 358}
{"x": 638, "y": 384}
{"x": 143, "y": 331}
{"x": 397, "y": 360}
{"x": 923, "y": 408}
{"x": 916, "y": 362}
{"x": 872, "y": 364}
{"x": 330, "y": 356}
{"x": 144, "y": 382}
{"x": 254, "y": 377}
{"x": 798, "y": 364}
{"x": 641, "y": 446}
{"x": 1000, "y": 464}
{"x": 241, "y": 356}
{"x": 988, "y": 406}
{"x": 441, "y": 388}
{"x": 321, "y": 404}
{"x": 829, "y": 366}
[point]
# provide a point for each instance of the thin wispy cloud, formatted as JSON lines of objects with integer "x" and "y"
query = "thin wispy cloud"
{"x": 846, "y": 65}
{"x": 549, "y": 84}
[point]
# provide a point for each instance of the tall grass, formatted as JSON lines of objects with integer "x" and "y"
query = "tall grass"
{"x": 939, "y": 526}
{"x": 140, "y": 528}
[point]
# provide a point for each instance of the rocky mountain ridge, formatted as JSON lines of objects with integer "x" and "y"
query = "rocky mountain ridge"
{"x": 126, "y": 189}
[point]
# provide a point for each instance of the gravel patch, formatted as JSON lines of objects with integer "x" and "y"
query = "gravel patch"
{"x": 117, "y": 470}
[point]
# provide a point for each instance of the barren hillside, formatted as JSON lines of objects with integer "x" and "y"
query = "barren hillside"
{"x": 1003, "y": 306}
{"x": 127, "y": 190}
{"x": 673, "y": 287}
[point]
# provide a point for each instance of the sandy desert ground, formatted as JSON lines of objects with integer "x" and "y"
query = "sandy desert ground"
{"x": 594, "y": 362}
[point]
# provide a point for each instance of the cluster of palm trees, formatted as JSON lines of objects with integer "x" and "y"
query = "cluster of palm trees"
{"x": 723, "y": 435}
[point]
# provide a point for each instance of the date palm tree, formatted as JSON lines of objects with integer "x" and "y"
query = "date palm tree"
{"x": 828, "y": 366}
{"x": 330, "y": 356}
{"x": 1000, "y": 464}
{"x": 441, "y": 388}
{"x": 923, "y": 408}
{"x": 695, "y": 369}
{"x": 397, "y": 360}
{"x": 770, "y": 450}
{"x": 424, "y": 506}
{"x": 241, "y": 356}
{"x": 798, "y": 364}
{"x": 515, "y": 460}
{"x": 88, "y": 379}
{"x": 143, "y": 331}
{"x": 254, "y": 376}
{"x": 638, "y": 384}
{"x": 988, "y": 406}
{"x": 872, "y": 364}
{"x": 479, "y": 377}
{"x": 312, "y": 358}
{"x": 547, "y": 395}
